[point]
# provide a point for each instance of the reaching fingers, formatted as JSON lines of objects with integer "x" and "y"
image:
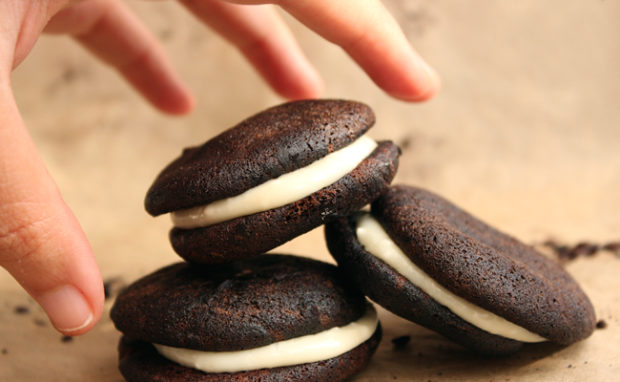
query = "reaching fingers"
{"x": 110, "y": 31}
{"x": 41, "y": 242}
{"x": 265, "y": 41}
{"x": 370, "y": 35}
{"x": 363, "y": 28}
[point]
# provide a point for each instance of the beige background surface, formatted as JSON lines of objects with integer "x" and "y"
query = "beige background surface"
{"x": 525, "y": 134}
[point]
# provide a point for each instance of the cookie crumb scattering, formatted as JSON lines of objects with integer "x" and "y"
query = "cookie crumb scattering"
{"x": 601, "y": 324}
{"x": 587, "y": 249}
{"x": 401, "y": 341}
{"x": 66, "y": 339}
{"x": 567, "y": 252}
{"x": 4, "y": 351}
{"x": 39, "y": 322}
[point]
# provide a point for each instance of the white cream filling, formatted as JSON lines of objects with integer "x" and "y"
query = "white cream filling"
{"x": 377, "y": 242}
{"x": 279, "y": 191}
{"x": 295, "y": 351}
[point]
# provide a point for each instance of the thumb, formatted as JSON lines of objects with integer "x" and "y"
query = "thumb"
{"x": 41, "y": 242}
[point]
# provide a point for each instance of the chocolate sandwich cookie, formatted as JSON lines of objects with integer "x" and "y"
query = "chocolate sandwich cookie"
{"x": 432, "y": 263}
{"x": 271, "y": 178}
{"x": 267, "y": 318}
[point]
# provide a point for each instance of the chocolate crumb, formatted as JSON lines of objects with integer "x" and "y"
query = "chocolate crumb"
{"x": 405, "y": 143}
{"x": 565, "y": 252}
{"x": 21, "y": 309}
{"x": 569, "y": 366}
{"x": 4, "y": 351}
{"x": 401, "y": 341}
{"x": 39, "y": 322}
{"x": 112, "y": 286}
{"x": 601, "y": 324}
{"x": 585, "y": 248}
{"x": 612, "y": 247}
{"x": 561, "y": 251}
{"x": 66, "y": 339}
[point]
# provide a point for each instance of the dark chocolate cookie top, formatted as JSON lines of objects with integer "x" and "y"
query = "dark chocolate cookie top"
{"x": 271, "y": 143}
{"x": 235, "y": 306}
{"x": 485, "y": 266}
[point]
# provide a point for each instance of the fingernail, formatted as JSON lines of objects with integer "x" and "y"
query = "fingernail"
{"x": 431, "y": 81}
{"x": 432, "y": 75}
{"x": 66, "y": 308}
{"x": 421, "y": 84}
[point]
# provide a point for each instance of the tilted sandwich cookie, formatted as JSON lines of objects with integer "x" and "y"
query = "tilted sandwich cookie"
{"x": 430, "y": 262}
{"x": 267, "y": 318}
{"x": 272, "y": 177}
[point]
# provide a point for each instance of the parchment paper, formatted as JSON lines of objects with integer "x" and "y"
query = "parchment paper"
{"x": 524, "y": 134}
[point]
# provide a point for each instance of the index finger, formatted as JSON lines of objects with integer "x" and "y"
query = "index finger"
{"x": 371, "y": 36}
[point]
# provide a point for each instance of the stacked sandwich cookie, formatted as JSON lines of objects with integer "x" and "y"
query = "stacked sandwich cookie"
{"x": 271, "y": 178}
{"x": 232, "y": 313}
{"x": 264, "y": 318}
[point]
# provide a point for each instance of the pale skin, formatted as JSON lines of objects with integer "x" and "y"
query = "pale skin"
{"x": 41, "y": 243}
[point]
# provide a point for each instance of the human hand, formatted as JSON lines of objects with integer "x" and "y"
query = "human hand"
{"x": 41, "y": 242}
